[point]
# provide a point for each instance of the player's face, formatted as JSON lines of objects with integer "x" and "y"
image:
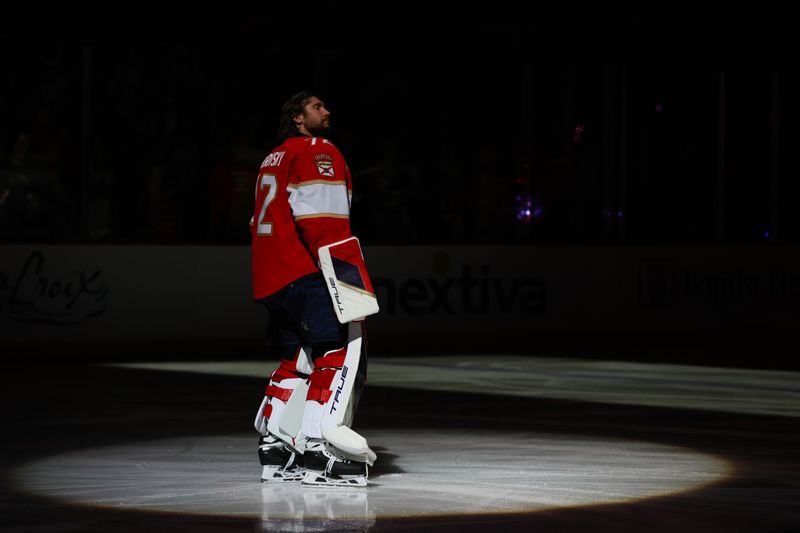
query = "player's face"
{"x": 316, "y": 118}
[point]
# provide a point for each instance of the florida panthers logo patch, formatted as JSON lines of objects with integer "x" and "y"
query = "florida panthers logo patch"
{"x": 324, "y": 164}
{"x": 325, "y": 168}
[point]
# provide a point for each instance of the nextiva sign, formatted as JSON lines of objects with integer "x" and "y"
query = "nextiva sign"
{"x": 471, "y": 289}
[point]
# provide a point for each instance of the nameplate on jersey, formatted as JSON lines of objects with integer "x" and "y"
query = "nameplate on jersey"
{"x": 346, "y": 277}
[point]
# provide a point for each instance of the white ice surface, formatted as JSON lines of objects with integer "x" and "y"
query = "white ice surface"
{"x": 424, "y": 472}
{"x": 733, "y": 390}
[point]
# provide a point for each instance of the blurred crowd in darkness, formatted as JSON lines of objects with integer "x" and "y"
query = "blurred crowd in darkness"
{"x": 134, "y": 143}
{"x": 162, "y": 144}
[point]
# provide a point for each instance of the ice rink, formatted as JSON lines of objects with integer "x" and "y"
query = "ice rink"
{"x": 464, "y": 443}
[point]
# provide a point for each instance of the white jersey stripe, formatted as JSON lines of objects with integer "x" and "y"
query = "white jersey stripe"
{"x": 315, "y": 182}
{"x": 328, "y": 198}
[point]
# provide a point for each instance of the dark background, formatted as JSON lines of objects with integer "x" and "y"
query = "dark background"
{"x": 617, "y": 124}
{"x": 640, "y": 122}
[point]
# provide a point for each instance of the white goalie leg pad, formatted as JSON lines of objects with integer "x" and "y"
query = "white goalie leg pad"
{"x": 281, "y": 411}
{"x": 303, "y": 362}
{"x": 351, "y": 443}
{"x": 331, "y": 399}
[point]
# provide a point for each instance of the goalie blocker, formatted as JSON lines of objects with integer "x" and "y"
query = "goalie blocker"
{"x": 346, "y": 277}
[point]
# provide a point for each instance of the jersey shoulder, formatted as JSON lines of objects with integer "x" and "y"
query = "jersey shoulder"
{"x": 320, "y": 145}
{"x": 323, "y": 157}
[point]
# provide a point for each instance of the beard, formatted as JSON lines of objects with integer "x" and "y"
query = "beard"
{"x": 320, "y": 130}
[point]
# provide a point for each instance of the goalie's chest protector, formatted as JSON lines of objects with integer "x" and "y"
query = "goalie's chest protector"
{"x": 279, "y": 252}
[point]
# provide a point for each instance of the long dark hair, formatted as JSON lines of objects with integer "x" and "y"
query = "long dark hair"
{"x": 294, "y": 106}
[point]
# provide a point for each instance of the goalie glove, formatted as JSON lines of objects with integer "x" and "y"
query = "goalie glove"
{"x": 345, "y": 272}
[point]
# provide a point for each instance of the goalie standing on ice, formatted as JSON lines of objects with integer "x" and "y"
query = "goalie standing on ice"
{"x": 309, "y": 272}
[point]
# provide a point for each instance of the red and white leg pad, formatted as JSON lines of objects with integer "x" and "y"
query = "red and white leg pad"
{"x": 330, "y": 399}
{"x": 281, "y": 411}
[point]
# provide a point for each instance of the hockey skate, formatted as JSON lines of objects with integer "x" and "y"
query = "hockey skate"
{"x": 328, "y": 467}
{"x": 280, "y": 463}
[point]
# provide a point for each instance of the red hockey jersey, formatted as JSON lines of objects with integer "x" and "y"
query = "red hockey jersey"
{"x": 303, "y": 195}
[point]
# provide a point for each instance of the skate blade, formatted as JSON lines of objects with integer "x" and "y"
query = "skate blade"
{"x": 275, "y": 475}
{"x": 318, "y": 479}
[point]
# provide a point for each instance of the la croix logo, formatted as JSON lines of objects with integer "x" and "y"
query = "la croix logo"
{"x": 34, "y": 295}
